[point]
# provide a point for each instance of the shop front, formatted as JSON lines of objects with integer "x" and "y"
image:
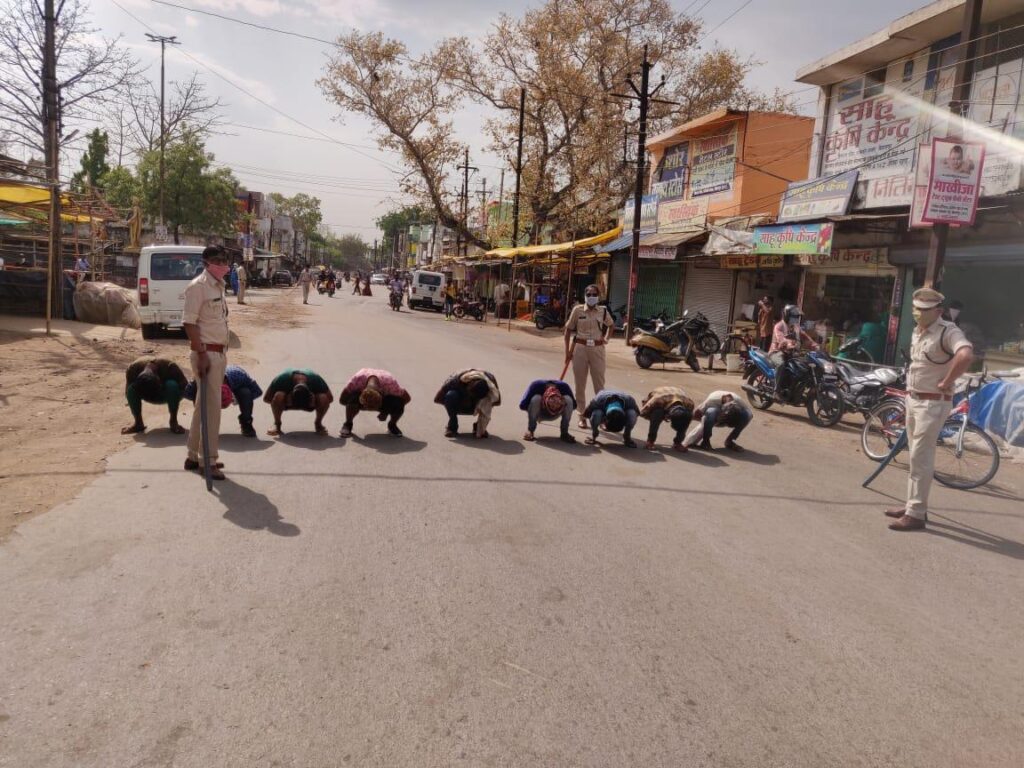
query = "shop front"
{"x": 708, "y": 288}
{"x": 757, "y": 277}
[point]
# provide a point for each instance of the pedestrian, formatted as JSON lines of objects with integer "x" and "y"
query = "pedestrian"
{"x": 470, "y": 392}
{"x": 205, "y": 318}
{"x": 81, "y": 268}
{"x": 939, "y": 354}
{"x": 355, "y": 288}
{"x": 373, "y": 390}
{"x": 765, "y": 321}
{"x": 617, "y": 411}
{"x": 298, "y": 389}
{"x": 233, "y": 279}
{"x": 548, "y": 400}
{"x": 153, "y": 380}
{"x": 304, "y": 280}
{"x": 449, "y": 300}
{"x": 243, "y": 281}
{"x": 719, "y": 409}
{"x": 241, "y": 389}
{"x": 586, "y": 333}
{"x": 670, "y": 403}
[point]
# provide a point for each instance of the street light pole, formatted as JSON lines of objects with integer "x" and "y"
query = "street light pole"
{"x": 164, "y": 40}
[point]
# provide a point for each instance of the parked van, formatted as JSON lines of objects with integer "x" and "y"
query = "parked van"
{"x": 427, "y": 290}
{"x": 164, "y": 273}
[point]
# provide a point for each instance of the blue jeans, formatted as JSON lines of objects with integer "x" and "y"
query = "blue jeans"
{"x": 244, "y": 398}
{"x": 597, "y": 419}
{"x": 454, "y": 404}
{"x": 535, "y": 414}
{"x": 711, "y": 417}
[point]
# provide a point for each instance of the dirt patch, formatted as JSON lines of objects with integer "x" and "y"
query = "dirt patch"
{"x": 62, "y": 401}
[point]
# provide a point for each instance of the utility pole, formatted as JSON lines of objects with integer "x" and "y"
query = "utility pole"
{"x": 164, "y": 40}
{"x": 958, "y": 105}
{"x": 464, "y": 213}
{"x": 51, "y": 132}
{"x": 515, "y": 204}
{"x": 374, "y": 253}
{"x": 501, "y": 199}
{"x": 483, "y": 203}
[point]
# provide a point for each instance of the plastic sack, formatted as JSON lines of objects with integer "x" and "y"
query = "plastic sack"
{"x": 106, "y": 304}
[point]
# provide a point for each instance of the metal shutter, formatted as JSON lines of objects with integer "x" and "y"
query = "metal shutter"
{"x": 709, "y": 291}
{"x": 618, "y": 281}
{"x": 658, "y": 290}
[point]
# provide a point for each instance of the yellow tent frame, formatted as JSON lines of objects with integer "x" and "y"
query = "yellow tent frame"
{"x": 555, "y": 249}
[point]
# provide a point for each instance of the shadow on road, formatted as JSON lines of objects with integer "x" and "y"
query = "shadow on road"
{"x": 161, "y": 437}
{"x": 492, "y": 443}
{"x": 251, "y": 510}
{"x": 309, "y": 440}
{"x": 753, "y": 457}
{"x": 555, "y": 443}
{"x": 975, "y": 537}
{"x": 694, "y": 457}
{"x": 638, "y": 454}
{"x": 237, "y": 443}
{"x": 384, "y": 442}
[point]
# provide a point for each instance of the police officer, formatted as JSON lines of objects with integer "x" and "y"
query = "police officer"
{"x": 939, "y": 354}
{"x": 205, "y": 318}
{"x": 591, "y": 326}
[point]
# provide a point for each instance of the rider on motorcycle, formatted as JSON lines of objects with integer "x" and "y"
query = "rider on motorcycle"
{"x": 788, "y": 337}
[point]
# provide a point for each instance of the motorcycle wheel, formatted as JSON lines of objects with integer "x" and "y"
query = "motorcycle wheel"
{"x": 459, "y": 312}
{"x": 709, "y": 343}
{"x": 826, "y": 407}
{"x": 478, "y": 316}
{"x": 541, "y": 323}
{"x": 756, "y": 380}
{"x": 645, "y": 358}
{"x": 883, "y": 427}
{"x": 691, "y": 360}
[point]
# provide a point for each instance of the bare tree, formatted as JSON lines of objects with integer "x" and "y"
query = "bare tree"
{"x": 91, "y": 70}
{"x": 187, "y": 109}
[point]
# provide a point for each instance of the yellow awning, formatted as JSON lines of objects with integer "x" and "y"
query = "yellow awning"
{"x": 556, "y": 248}
{"x": 27, "y": 194}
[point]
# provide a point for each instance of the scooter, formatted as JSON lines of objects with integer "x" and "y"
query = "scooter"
{"x": 658, "y": 346}
{"x": 813, "y": 384}
{"x": 474, "y": 309}
{"x": 546, "y": 317}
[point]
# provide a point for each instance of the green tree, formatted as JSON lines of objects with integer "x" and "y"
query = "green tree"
{"x": 198, "y": 198}
{"x": 121, "y": 188}
{"x": 394, "y": 222}
{"x": 304, "y": 211}
{"x": 94, "y": 163}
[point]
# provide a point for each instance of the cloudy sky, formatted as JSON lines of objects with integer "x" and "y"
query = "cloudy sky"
{"x": 355, "y": 181}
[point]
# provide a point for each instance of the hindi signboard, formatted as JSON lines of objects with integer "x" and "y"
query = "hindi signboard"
{"x": 994, "y": 104}
{"x": 844, "y": 257}
{"x": 713, "y": 169}
{"x": 751, "y": 261}
{"x": 794, "y": 238}
{"x": 954, "y": 183}
{"x": 662, "y": 252}
{"x": 648, "y": 214}
{"x": 671, "y": 184}
{"x": 682, "y": 215}
{"x": 889, "y": 191}
{"x": 813, "y": 199}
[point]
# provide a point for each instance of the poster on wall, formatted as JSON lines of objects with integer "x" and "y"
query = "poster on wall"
{"x": 682, "y": 215}
{"x": 811, "y": 199}
{"x": 794, "y": 238}
{"x": 995, "y": 96}
{"x": 954, "y": 183}
{"x": 648, "y": 214}
{"x": 713, "y": 169}
{"x": 671, "y": 184}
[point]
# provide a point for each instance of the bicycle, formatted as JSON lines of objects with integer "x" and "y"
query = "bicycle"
{"x": 966, "y": 456}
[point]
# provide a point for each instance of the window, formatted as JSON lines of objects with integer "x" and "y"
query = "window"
{"x": 424, "y": 279}
{"x": 175, "y": 266}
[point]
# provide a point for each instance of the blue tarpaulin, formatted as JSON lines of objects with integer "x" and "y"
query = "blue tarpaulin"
{"x": 999, "y": 408}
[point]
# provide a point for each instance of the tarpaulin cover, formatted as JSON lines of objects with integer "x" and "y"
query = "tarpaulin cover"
{"x": 106, "y": 304}
{"x": 999, "y": 408}
{"x": 557, "y": 248}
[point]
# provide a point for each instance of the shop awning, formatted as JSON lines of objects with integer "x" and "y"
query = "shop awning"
{"x": 671, "y": 239}
{"x": 556, "y": 248}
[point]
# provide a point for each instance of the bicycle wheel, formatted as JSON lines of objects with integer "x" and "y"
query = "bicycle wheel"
{"x": 968, "y": 465}
{"x": 882, "y": 429}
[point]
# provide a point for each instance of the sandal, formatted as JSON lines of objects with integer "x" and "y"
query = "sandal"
{"x": 320, "y": 429}
{"x": 582, "y": 422}
{"x": 450, "y": 433}
{"x": 565, "y": 437}
{"x": 592, "y": 441}
{"x": 528, "y": 437}
{"x": 346, "y": 431}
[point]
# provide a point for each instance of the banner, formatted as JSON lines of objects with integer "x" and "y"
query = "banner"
{"x": 682, "y": 215}
{"x": 994, "y": 103}
{"x": 665, "y": 253}
{"x": 810, "y": 199}
{"x": 764, "y": 261}
{"x": 889, "y": 191}
{"x": 671, "y": 184}
{"x": 844, "y": 257}
{"x": 954, "y": 183}
{"x": 794, "y": 238}
{"x": 713, "y": 169}
{"x": 648, "y": 214}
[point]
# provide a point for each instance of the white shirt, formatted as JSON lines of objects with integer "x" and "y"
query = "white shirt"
{"x": 713, "y": 400}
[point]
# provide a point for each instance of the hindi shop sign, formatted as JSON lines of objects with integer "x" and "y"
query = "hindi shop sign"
{"x": 713, "y": 169}
{"x": 871, "y": 134}
{"x": 814, "y": 199}
{"x": 844, "y": 257}
{"x": 682, "y": 215}
{"x": 648, "y": 214}
{"x": 794, "y": 238}
{"x": 671, "y": 184}
{"x": 954, "y": 183}
{"x": 750, "y": 261}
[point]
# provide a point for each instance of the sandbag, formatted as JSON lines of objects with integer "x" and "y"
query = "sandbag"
{"x": 106, "y": 304}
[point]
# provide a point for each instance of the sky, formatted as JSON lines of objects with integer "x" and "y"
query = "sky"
{"x": 268, "y": 81}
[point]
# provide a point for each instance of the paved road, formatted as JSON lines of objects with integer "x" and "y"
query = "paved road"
{"x": 427, "y": 602}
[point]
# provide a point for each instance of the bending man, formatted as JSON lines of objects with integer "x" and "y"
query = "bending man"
{"x": 616, "y": 411}
{"x": 548, "y": 400}
{"x": 719, "y": 409}
{"x": 298, "y": 389}
{"x": 242, "y": 389}
{"x": 373, "y": 390}
{"x": 670, "y": 403}
{"x": 469, "y": 392}
{"x": 153, "y": 380}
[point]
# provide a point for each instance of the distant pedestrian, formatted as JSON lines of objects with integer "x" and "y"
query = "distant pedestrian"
{"x": 616, "y": 411}
{"x": 233, "y": 279}
{"x": 305, "y": 278}
{"x": 355, "y": 288}
{"x": 243, "y": 281}
{"x": 153, "y": 380}
{"x": 670, "y": 404}
{"x": 589, "y": 326}
{"x": 470, "y": 392}
{"x": 449, "y": 300}
{"x": 719, "y": 409}
{"x": 765, "y": 321}
{"x": 241, "y": 389}
{"x": 373, "y": 390}
{"x": 548, "y": 400}
{"x": 298, "y": 389}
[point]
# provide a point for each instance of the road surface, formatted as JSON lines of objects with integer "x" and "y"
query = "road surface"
{"x": 434, "y": 602}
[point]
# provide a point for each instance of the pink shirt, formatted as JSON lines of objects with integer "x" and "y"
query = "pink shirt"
{"x": 388, "y": 383}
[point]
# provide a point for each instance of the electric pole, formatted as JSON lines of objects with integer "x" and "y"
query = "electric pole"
{"x": 515, "y": 204}
{"x": 164, "y": 40}
{"x": 51, "y": 133}
{"x": 483, "y": 203}
{"x": 465, "y": 168}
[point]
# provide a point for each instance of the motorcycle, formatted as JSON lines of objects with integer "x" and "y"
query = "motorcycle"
{"x": 463, "y": 307}
{"x": 855, "y": 352}
{"x": 698, "y": 328}
{"x": 321, "y": 287}
{"x": 330, "y": 288}
{"x": 813, "y": 383}
{"x": 657, "y": 346}
{"x": 395, "y": 299}
{"x": 547, "y": 317}
{"x": 863, "y": 392}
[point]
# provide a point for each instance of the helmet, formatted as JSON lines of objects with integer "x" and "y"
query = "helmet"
{"x": 791, "y": 313}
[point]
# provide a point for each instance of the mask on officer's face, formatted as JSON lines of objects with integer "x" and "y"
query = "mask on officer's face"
{"x": 925, "y": 317}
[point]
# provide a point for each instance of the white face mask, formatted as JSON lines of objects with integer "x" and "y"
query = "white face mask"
{"x": 954, "y": 314}
{"x": 592, "y": 301}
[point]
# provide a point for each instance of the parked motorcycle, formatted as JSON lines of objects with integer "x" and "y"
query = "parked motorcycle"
{"x": 463, "y": 307}
{"x": 813, "y": 383}
{"x": 855, "y": 352}
{"x": 547, "y": 317}
{"x": 698, "y": 327}
{"x": 659, "y": 346}
{"x": 864, "y": 391}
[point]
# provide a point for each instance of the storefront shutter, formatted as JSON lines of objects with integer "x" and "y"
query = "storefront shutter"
{"x": 618, "y": 286}
{"x": 709, "y": 291}
{"x": 658, "y": 290}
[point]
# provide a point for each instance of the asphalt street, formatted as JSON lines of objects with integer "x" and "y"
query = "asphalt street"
{"x": 431, "y": 602}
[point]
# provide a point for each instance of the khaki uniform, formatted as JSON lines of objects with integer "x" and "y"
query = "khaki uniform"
{"x": 243, "y": 279}
{"x": 931, "y": 357}
{"x": 304, "y": 280}
{"x": 206, "y": 307}
{"x": 588, "y": 325}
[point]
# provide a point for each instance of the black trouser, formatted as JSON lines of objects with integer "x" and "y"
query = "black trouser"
{"x": 659, "y": 415}
{"x": 244, "y": 398}
{"x": 390, "y": 406}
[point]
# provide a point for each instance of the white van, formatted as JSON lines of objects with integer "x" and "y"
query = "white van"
{"x": 427, "y": 290}
{"x": 164, "y": 273}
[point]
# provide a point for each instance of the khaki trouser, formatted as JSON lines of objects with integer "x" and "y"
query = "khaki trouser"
{"x": 212, "y": 382}
{"x": 924, "y": 422}
{"x": 305, "y": 292}
{"x": 586, "y": 359}
{"x": 241, "y": 292}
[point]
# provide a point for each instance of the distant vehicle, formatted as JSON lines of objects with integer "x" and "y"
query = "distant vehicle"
{"x": 378, "y": 278}
{"x": 426, "y": 289}
{"x": 283, "y": 277}
{"x": 164, "y": 273}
